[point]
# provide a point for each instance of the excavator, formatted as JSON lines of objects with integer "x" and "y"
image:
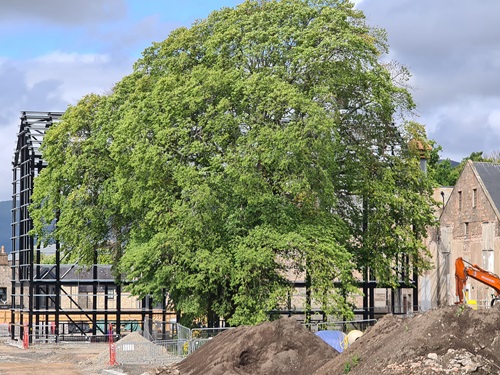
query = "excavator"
{"x": 464, "y": 269}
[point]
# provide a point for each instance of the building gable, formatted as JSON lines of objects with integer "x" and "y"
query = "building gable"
{"x": 469, "y": 228}
{"x": 488, "y": 175}
{"x": 470, "y": 203}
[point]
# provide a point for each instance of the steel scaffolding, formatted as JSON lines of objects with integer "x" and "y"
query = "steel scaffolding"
{"x": 55, "y": 296}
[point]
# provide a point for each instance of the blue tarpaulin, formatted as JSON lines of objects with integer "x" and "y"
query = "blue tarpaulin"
{"x": 333, "y": 338}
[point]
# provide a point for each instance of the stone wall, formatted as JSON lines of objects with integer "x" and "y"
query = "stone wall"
{"x": 5, "y": 277}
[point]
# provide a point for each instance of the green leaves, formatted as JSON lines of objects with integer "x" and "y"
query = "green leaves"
{"x": 235, "y": 156}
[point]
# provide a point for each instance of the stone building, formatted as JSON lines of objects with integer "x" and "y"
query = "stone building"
{"x": 5, "y": 277}
{"x": 5, "y": 286}
{"x": 469, "y": 227}
{"x": 435, "y": 283}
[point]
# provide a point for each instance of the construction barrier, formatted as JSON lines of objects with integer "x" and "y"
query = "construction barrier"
{"x": 150, "y": 353}
{"x": 26, "y": 336}
{"x": 112, "y": 349}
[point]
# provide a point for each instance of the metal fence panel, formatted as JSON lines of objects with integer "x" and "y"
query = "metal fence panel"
{"x": 344, "y": 326}
{"x": 4, "y": 330}
{"x": 183, "y": 333}
{"x": 148, "y": 352}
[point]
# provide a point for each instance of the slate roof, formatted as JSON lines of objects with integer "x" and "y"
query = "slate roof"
{"x": 70, "y": 272}
{"x": 489, "y": 174}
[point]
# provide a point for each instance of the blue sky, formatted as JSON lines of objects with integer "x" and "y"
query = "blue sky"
{"x": 28, "y": 31}
{"x": 52, "y": 52}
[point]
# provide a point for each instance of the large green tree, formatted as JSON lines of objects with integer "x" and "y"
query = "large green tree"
{"x": 261, "y": 145}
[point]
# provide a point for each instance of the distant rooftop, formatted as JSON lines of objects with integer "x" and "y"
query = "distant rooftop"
{"x": 489, "y": 173}
{"x": 452, "y": 162}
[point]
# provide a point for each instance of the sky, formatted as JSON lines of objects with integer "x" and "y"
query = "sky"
{"x": 53, "y": 52}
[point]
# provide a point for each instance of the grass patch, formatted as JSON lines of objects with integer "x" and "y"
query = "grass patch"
{"x": 349, "y": 365}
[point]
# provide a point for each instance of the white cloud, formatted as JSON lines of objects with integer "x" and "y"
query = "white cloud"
{"x": 57, "y": 51}
{"x": 79, "y": 74}
{"x": 469, "y": 124}
{"x": 452, "y": 47}
{"x": 62, "y": 12}
{"x": 48, "y": 83}
{"x": 494, "y": 121}
{"x": 58, "y": 57}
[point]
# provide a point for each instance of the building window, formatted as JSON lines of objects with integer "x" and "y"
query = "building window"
{"x": 466, "y": 230}
{"x": 474, "y": 198}
{"x": 459, "y": 200}
{"x": 488, "y": 260}
{"x": 3, "y": 295}
{"x": 84, "y": 296}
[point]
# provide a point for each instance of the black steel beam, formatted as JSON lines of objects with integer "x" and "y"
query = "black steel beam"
{"x": 29, "y": 287}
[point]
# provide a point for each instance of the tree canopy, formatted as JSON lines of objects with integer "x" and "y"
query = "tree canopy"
{"x": 444, "y": 173}
{"x": 267, "y": 142}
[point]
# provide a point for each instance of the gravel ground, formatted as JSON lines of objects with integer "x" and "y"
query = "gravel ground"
{"x": 63, "y": 359}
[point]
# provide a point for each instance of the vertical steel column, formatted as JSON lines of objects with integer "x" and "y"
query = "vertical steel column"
{"x": 29, "y": 251}
{"x": 57, "y": 311}
{"x": 119, "y": 306}
{"x": 94, "y": 293}
{"x": 372, "y": 301}
{"x": 365, "y": 294}
{"x": 37, "y": 291}
{"x": 14, "y": 228}
{"x": 415, "y": 291}
{"x": 106, "y": 291}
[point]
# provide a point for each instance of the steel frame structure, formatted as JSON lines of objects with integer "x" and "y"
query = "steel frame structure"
{"x": 37, "y": 290}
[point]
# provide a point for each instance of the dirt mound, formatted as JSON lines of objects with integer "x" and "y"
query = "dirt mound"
{"x": 452, "y": 339}
{"x": 449, "y": 340}
{"x": 282, "y": 347}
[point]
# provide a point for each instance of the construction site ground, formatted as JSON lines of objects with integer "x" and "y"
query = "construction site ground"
{"x": 63, "y": 359}
{"x": 448, "y": 340}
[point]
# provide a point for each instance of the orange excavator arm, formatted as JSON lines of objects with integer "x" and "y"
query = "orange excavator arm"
{"x": 464, "y": 269}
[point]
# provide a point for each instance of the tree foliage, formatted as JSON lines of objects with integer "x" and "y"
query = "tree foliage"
{"x": 444, "y": 173}
{"x": 260, "y": 145}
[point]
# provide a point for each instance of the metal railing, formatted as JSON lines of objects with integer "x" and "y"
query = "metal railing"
{"x": 4, "y": 330}
{"x": 343, "y": 325}
{"x": 188, "y": 339}
{"x": 157, "y": 353}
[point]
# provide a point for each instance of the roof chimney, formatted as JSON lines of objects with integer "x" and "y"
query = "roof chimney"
{"x": 4, "y": 258}
{"x": 423, "y": 151}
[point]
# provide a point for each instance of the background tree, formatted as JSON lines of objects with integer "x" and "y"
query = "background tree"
{"x": 260, "y": 145}
{"x": 444, "y": 173}
{"x": 75, "y": 188}
{"x": 441, "y": 172}
{"x": 494, "y": 156}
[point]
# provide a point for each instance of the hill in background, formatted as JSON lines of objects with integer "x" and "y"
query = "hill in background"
{"x": 5, "y": 228}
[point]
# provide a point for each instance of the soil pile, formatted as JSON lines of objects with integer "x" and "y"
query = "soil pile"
{"x": 449, "y": 340}
{"x": 282, "y": 347}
